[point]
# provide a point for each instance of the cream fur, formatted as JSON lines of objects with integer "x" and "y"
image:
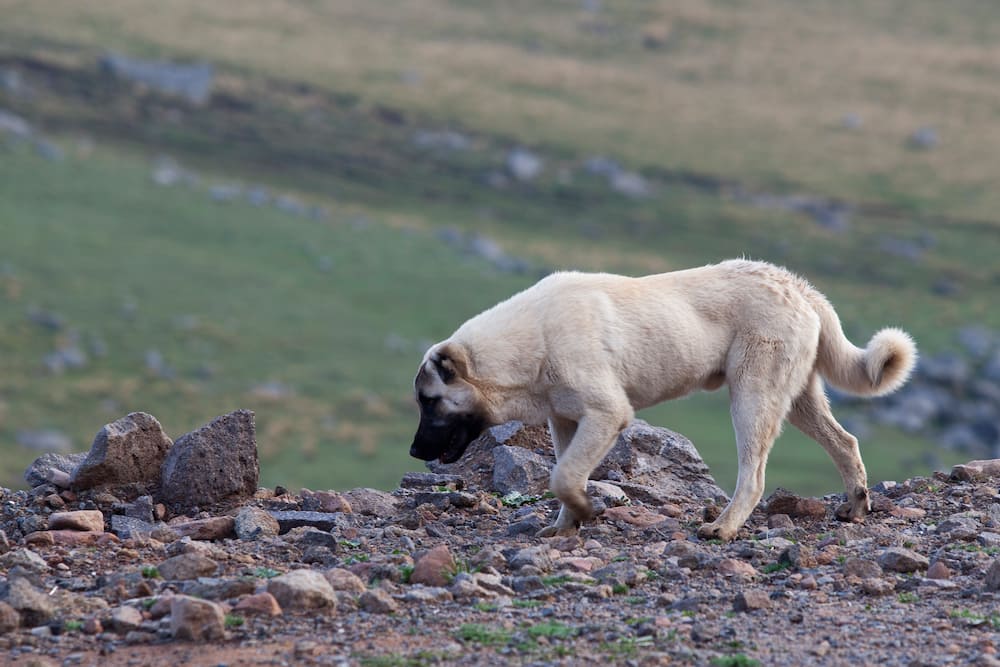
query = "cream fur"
{"x": 584, "y": 351}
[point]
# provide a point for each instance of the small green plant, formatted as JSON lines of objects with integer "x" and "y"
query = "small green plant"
{"x": 972, "y": 618}
{"x": 635, "y": 599}
{"x": 907, "y": 597}
{"x": 266, "y": 573}
{"x": 619, "y": 589}
{"x": 517, "y": 499}
{"x": 72, "y": 625}
{"x": 776, "y": 567}
{"x": 627, "y": 647}
{"x": 638, "y": 620}
{"x": 357, "y": 558}
{"x": 234, "y": 621}
{"x": 556, "y": 579}
{"x": 735, "y": 660}
{"x": 485, "y": 606}
{"x": 405, "y": 572}
{"x": 151, "y": 572}
{"x": 349, "y": 544}
{"x": 148, "y": 603}
{"x": 440, "y": 488}
{"x": 479, "y": 633}
{"x": 551, "y": 629}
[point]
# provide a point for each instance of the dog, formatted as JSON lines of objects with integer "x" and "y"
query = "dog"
{"x": 584, "y": 351}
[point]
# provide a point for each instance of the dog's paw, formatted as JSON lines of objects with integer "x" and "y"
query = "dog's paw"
{"x": 555, "y": 531}
{"x": 713, "y": 531}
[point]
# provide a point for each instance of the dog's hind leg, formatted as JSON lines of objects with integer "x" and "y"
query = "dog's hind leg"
{"x": 562, "y": 431}
{"x": 592, "y": 439}
{"x": 811, "y": 414}
{"x": 761, "y": 392}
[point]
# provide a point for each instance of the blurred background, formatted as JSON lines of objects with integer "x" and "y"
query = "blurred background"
{"x": 278, "y": 204}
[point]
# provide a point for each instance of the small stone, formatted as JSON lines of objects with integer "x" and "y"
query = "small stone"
{"x": 992, "y": 581}
{"x": 24, "y": 558}
{"x": 345, "y": 580}
{"x": 125, "y": 618}
{"x": 53, "y": 468}
{"x": 326, "y": 501}
{"x": 731, "y": 567}
{"x": 35, "y": 607}
{"x": 69, "y": 538}
{"x": 780, "y": 521}
{"x": 219, "y": 588}
{"x": 252, "y": 523}
{"x": 908, "y": 512}
{"x": 371, "y": 502}
{"x": 535, "y": 557}
{"x": 898, "y": 559}
{"x": 187, "y": 566}
{"x": 92, "y": 520}
{"x": 377, "y": 601}
{"x": 9, "y": 618}
{"x": 938, "y": 571}
{"x": 636, "y": 515}
{"x": 959, "y": 528}
{"x": 260, "y": 604}
{"x": 290, "y": 519}
{"x": 191, "y": 618}
{"x": 862, "y": 568}
{"x": 751, "y": 600}
{"x": 877, "y": 586}
{"x": 428, "y": 594}
{"x": 212, "y": 528}
{"x": 434, "y": 568}
{"x": 782, "y": 502}
{"x": 301, "y": 590}
{"x": 92, "y": 626}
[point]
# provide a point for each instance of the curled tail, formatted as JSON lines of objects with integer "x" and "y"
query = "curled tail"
{"x": 882, "y": 367}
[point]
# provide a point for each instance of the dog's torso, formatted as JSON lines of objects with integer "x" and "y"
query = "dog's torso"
{"x": 574, "y": 337}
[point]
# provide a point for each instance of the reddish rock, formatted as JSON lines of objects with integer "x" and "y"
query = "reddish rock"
{"x": 938, "y": 571}
{"x": 345, "y": 580}
{"x": 191, "y": 618}
{"x": 187, "y": 566}
{"x": 974, "y": 470}
{"x": 327, "y": 501}
{"x": 260, "y": 604}
{"x": 876, "y": 586}
{"x": 908, "y": 512}
{"x": 92, "y": 626}
{"x": 636, "y": 515}
{"x": 126, "y": 451}
{"x": 69, "y": 538}
{"x": 92, "y": 520}
{"x": 751, "y": 600}
{"x": 782, "y": 502}
{"x": 732, "y": 567}
{"x": 301, "y": 590}
{"x": 434, "y": 568}
{"x": 9, "y": 618}
{"x": 898, "y": 559}
{"x": 212, "y": 528}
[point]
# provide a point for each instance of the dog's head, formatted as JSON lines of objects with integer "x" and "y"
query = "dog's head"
{"x": 451, "y": 414}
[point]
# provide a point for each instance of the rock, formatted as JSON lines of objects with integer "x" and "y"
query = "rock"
{"x": 192, "y": 81}
{"x": 25, "y": 559}
{"x": 187, "y": 566}
{"x": 777, "y": 521}
{"x": 610, "y": 494}
{"x": 291, "y": 519}
{"x": 215, "y": 464}
{"x": 751, "y": 600}
{"x": 69, "y": 538}
{"x": 197, "y": 620}
{"x": 938, "y": 570}
{"x": 535, "y": 557}
{"x": 377, "y": 601}
{"x": 519, "y": 470}
{"x": 636, "y": 515}
{"x": 325, "y": 501}
{"x": 783, "y": 502}
{"x": 219, "y": 588}
{"x": 141, "y": 508}
{"x": 53, "y": 468}
{"x": 371, "y": 502}
{"x": 862, "y": 568}
{"x": 130, "y": 450}
{"x": 14, "y": 125}
{"x": 302, "y": 590}
{"x": 9, "y": 618}
{"x": 630, "y": 184}
{"x": 212, "y": 528}
{"x": 426, "y": 480}
{"x": 252, "y": 523}
{"x": 345, "y": 580}
{"x": 877, "y": 587}
{"x": 434, "y": 568}
{"x": 924, "y": 138}
{"x": 125, "y": 618}
{"x": 992, "y": 580}
{"x": 976, "y": 470}
{"x": 898, "y": 559}
{"x": 34, "y": 606}
{"x": 259, "y": 604}
{"x": 732, "y": 567}
{"x": 78, "y": 520}
{"x": 523, "y": 165}
{"x": 959, "y": 528}
{"x": 127, "y": 527}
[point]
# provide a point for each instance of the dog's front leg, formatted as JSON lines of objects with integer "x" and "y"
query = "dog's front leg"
{"x": 590, "y": 441}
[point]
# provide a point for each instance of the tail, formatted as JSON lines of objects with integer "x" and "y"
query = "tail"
{"x": 880, "y": 368}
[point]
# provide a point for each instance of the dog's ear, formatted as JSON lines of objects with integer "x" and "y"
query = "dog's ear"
{"x": 452, "y": 361}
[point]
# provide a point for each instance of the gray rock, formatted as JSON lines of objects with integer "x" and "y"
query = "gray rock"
{"x": 302, "y": 590}
{"x": 751, "y": 600}
{"x": 190, "y": 81}
{"x": 862, "y": 568}
{"x": 23, "y": 558}
{"x": 9, "y": 618}
{"x": 41, "y": 470}
{"x": 959, "y": 528}
{"x": 898, "y": 559}
{"x": 524, "y": 165}
{"x": 371, "y": 502}
{"x": 992, "y": 580}
{"x": 923, "y": 138}
{"x": 377, "y": 601}
{"x": 141, "y": 508}
{"x": 214, "y": 588}
{"x": 34, "y": 606}
{"x": 194, "y": 619}
{"x": 441, "y": 140}
{"x": 977, "y": 340}
{"x": 519, "y": 470}
{"x": 253, "y": 523}
{"x": 289, "y": 519}
{"x": 425, "y": 480}
{"x": 947, "y": 368}
{"x": 215, "y": 464}
{"x": 14, "y": 125}
{"x": 125, "y": 618}
{"x": 45, "y": 440}
{"x": 127, "y": 526}
{"x": 536, "y": 557}
{"x": 630, "y": 184}
{"x": 126, "y": 451}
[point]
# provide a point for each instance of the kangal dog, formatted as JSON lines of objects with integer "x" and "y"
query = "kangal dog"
{"x": 584, "y": 351}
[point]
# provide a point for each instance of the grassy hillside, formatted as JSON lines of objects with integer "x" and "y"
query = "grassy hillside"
{"x": 317, "y": 324}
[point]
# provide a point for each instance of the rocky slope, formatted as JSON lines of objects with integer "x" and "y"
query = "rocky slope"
{"x": 122, "y": 569}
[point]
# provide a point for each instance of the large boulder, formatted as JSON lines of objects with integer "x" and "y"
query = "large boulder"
{"x": 651, "y": 464}
{"x": 130, "y": 450}
{"x": 215, "y": 464}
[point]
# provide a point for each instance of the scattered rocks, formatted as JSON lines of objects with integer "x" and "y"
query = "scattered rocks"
{"x": 215, "y": 464}
{"x": 129, "y": 450}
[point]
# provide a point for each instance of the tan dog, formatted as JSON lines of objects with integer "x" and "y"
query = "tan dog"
{"x": 584, "y": 351}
